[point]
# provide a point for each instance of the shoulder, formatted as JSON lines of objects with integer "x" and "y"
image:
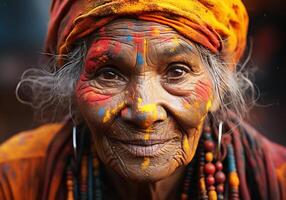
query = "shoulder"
{"x": 29, "y": 144}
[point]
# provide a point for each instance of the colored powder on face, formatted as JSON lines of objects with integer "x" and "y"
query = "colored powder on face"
{"x": 140, "y": 60}
{"x": 106, "y": 116}
{"x": 187, "y": 105}
{"x": 186, "y": 144}
{"x": 145, "y": 164}
{"x": 147, "y": 134}
{"x": 155, "y": 32}
{"x": 209, "y": 104}
{"x": 203, "y": 89}
{"x": 101, "y": 112}
{"x": 109, "y": 113}
{"x": 129, "y": 38}
{"x": 117, "y": 49}
{"x": 190, "y": 47}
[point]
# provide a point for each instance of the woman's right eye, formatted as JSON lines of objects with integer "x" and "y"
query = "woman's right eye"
{"x": 109, "y": 75}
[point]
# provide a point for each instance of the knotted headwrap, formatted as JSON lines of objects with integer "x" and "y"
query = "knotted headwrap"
{"x": 218, "y": 25}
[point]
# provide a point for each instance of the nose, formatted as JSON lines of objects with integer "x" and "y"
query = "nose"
{"x": 144, "y": 111}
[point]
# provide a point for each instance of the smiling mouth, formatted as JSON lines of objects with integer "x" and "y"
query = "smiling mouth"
{"x": 142, "y": 148}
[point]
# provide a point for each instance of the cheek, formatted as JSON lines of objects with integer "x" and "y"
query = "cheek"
{"x": 93, "y": 105}
{"x": 87, "y": 94}
{"x": 203, "y": 90}
{"x": 98, "y": 109}
{"x": 200, "y": 97}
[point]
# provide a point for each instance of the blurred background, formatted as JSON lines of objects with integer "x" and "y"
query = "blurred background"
{"x": 23, "y": 26}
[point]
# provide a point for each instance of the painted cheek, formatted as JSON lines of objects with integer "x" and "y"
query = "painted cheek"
{"x": 86, "y": 93}
{"x": 203, "y": 90}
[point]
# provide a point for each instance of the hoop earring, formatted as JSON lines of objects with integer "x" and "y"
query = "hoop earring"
{"x": 74, "y": 141}
{"x": 219, "y": 139}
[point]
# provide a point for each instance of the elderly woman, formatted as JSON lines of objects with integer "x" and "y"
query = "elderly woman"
{"x": 151, "y": 98}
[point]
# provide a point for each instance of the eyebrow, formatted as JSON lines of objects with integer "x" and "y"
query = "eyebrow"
{"x": 181, "y": 48}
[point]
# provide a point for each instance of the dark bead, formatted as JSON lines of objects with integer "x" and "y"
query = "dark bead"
{"x": 209, "y": 145}
{"x": 210, "y": 180}
{"x": 209, "y": 168}
{"x": 220, "y": 177}
{"x": 220, "y": 188}
{"x": 207, "y": 136}
{"x": 218, "y": 166}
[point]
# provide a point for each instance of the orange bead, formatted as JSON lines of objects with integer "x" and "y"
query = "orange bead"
{"x": 209, "y": 156}
{"x": 202, "y": 184}
{"x": 234, "y": 180}
{"x": 212, "y": 195}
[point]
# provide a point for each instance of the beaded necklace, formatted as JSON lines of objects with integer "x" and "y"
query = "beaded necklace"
{"x": 85, "y": 183}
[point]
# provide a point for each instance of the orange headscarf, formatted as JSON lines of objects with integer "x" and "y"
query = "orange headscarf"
{"x": 218, "y": 25}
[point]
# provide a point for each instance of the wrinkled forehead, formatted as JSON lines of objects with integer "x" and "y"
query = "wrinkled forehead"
{"x": 137, "y": 32}
{"x": 124, "y": 26}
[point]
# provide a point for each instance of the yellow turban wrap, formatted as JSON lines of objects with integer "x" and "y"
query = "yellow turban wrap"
{"x": 218, "y": 25}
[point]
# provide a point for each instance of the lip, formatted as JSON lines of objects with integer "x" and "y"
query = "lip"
{"x": 142, "y": 148}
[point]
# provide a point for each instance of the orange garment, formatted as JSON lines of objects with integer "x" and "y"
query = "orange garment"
{"x": 23, "y": 163}
{"x": 218, "y": 25}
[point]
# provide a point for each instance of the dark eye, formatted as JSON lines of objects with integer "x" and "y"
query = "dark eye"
{"x": 177, "y": 71}
{"x": 109, "y": 74}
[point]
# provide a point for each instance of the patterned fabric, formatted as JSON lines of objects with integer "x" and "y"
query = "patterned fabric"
{"x": 220, "y": 26}
{"x": 33, "y": 163}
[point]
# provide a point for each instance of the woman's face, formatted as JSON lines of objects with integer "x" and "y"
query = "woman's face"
{"x": 144, "y": 93}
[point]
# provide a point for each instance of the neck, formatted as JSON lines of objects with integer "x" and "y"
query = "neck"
{"x": 168, "y": 188}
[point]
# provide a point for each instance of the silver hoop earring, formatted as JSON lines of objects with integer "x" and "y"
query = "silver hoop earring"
{"x": 219, "y": 138}
{"x": 74, "y": 141}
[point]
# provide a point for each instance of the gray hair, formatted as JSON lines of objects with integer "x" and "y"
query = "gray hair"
{"x": 52, "y": 90}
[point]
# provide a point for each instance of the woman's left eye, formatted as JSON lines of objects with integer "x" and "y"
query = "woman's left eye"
{"x": 177, "y": 71}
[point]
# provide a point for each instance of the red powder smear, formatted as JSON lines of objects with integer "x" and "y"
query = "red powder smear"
{"x": 92, "y": 97}
{"x": 97, "y": 50}
{"x": 166, "y": 39}
{"x": 117, "y": 48}
{"x": 87, "y": 93}
{"x": 139, "y": 41}
{"x": 101, "y": 31}
{"x": 100, "y": 52}
{"x": 203, "y": 89}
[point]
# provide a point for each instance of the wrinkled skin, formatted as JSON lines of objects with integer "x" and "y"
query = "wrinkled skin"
{"x": 144, "y": 93}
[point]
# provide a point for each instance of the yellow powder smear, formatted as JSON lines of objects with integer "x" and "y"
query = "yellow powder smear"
{"x": 106, "y": 116}
{"x": 186, "y": 144}
{"x": 155, "y": 32}
{"x": 187, "y": 105}
{"x": 109, "y": 112}
{"x": 145, "y": 164}
{"x": 147, "y": 134}
{"x": 209, "y": 104}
